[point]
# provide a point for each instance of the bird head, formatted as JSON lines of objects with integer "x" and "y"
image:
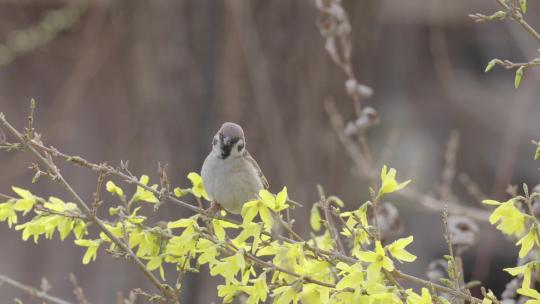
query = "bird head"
{"x": 229, "y": 141}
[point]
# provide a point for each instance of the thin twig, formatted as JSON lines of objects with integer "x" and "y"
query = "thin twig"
{"x": 448, "y": 237}
{"x": 33, "y": 292}
{"x": 331, "y": 225}
{"x": 437, "y": 287}
{"x": 449, "y": 171}
{"x": 518, "y": 17}
{"x": 77, "y": 290}
{"x": 47, "y": 161}
{"x": 431, "y": 203}
{"x": 129, "y": 178}
{"x": 334, "y": 255}
{"x": 265, "y": 264}
{"x": 7, "y": 197}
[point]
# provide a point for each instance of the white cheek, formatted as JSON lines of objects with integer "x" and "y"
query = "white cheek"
{"x": 234, "y": 151}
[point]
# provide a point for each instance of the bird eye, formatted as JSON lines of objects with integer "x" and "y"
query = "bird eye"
{"x": 240, "y": 147}
{"x": 214, "y": 141}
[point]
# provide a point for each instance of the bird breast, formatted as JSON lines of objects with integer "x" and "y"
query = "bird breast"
{"x": 231, "y": 182}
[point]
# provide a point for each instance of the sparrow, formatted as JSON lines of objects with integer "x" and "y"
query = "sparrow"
{"x": 230, "y": 175}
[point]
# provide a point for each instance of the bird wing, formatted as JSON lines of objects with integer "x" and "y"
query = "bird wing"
{"x": 253, "y": 162}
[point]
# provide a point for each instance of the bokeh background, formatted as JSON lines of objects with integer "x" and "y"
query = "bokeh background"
{"x": 151, "y": 81}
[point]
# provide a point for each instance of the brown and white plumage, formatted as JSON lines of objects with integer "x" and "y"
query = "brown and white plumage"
{"x": 230, "y": 174}
{"x": 253, "y": 162}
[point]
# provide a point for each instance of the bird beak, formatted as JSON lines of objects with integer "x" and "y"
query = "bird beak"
{"x": 225, "y": 147}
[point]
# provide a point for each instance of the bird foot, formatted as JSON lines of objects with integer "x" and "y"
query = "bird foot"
{"x": 214, "y": 208}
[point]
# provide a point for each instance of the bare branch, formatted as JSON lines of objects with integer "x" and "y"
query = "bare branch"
{"x": 33, "y": 292}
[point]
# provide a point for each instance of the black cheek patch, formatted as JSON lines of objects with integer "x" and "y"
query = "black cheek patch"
{"x": 240, "y": 147}
{"x": 225, "y": 150}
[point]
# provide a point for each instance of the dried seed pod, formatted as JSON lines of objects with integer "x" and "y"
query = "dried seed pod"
{"x": 437, "y": 270}
{"x": 463, "y": 232}
{"x": 327, "y": 24}
{"x": 364, "y": 91}
{"x": 367, "y": 119}
{"x": 351, "y": 86}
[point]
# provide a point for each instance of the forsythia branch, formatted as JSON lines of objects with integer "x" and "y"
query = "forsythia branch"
{"x": 45, "y": 154}
{"x": 47, "y": 161}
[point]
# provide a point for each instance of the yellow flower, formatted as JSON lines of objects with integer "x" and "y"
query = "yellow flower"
{"x": 277, "y": 202}
{"x": 198, "y": 187}
{"x": 489, "y": 298}
{"x": 531, "y": 293}
{"x": 144, "y": 195}
{"x": 511, "y": 220}
{"x": 91, "y": 250}
{"x": 254, "y": 207}
{"x": 264, "y": 206}
{"x": 315, "y": 218}
{"x": 413, "y": 298}
{"x": 389, "y": 183}
{"x": 259, "y": 290}
{"x": 352, "y": 275}
{"x": 378, "y": 260}
{"x": 526, "y": 270}
{"x": 527, "y": 242}
{"x": 397, "y": 250}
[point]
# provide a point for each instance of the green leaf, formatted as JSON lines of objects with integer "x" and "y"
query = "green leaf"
{"x": 491, "y": 202}
{"x": 114, "y": 189}
{"x": 315, "y": 218}
{"x": 519, "y": 75}
{"x": 446, "y": 282}
{"x": 490, "y": 65}
{"x": 523, "y": 4}
{"x": 180, "y": 192}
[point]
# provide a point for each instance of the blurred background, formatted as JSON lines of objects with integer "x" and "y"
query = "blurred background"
{"x": 152, "y": 81}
